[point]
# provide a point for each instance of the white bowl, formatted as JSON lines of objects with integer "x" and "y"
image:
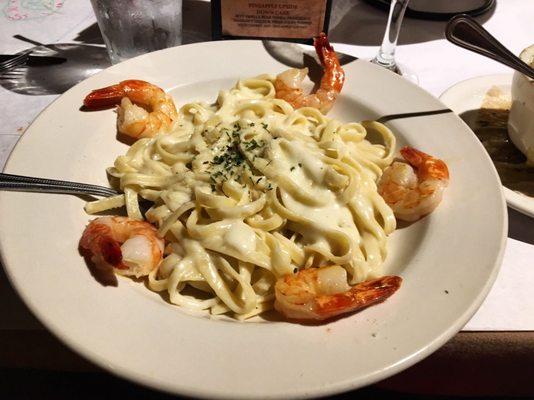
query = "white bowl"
{"x": 521, "y": 120}
{"x": 448, "y": 260}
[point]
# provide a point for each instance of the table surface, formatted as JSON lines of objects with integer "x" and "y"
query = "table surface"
{"x": 356, "y": 28}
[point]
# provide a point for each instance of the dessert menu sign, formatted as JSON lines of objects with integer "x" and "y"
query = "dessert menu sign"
{"x": 269, "y": 19}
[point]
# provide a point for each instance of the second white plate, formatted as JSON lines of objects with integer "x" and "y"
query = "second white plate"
{"x": 468, "y": 95}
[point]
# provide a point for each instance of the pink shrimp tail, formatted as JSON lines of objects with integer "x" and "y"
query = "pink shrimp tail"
{"x": 432, "y": 167}
{"x": 361, "y": 296}
{"x": 111, "y": 252}
{"x": 105, "y": 97}
{"x": 334, "y": 75}
{"x": 413, "y": 156}
{"x": 110, "y": 96}
{"x": 322, "y": 46}
{"x": 97, "y": 239}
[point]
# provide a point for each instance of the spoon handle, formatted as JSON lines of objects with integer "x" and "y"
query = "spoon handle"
{"x": 465, "y": 32}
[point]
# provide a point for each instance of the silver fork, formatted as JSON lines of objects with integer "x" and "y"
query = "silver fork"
{"x": 15, "y": 62}
{"x": 43, "y": 185}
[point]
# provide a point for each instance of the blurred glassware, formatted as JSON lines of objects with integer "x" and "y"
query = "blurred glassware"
{"x": 134, "y": 27}
{"x": 386, "y": 54}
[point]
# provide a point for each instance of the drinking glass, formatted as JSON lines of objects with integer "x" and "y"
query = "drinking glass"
{"x": 386, "y": 53}
{"x": 134, "y": 27}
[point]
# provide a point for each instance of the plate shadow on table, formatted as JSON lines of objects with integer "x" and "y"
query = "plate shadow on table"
{"x": 293, "y": 56}
{"x": 367, "y": 24}
{"x": 90, "y": 35}
{"x": 83, "y": 60}
{"x": 88, "y": 56}
{"x": 520, "y": 227}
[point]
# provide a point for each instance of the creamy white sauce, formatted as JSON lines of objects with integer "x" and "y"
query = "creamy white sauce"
{"x": 240, "y": 162}
{"x": 332, "y": 214}
{"x": 241, "y": 237}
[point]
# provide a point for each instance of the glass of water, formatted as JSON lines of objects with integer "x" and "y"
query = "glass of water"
{"x": 134, "y": 27}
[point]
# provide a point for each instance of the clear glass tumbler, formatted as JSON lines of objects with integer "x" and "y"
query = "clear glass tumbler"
{"x": 134, "y": 27}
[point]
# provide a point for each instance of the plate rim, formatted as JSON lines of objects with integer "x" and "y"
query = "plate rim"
{"x": 332, "y": 388}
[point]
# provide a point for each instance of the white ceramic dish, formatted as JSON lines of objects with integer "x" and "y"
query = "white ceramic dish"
{"x": 521, "y": 121}
{"x": 468, "y": 95}
{"x": 448, "y": 260}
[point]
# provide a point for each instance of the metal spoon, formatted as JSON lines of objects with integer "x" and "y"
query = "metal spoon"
{"x": 464, "y": 31}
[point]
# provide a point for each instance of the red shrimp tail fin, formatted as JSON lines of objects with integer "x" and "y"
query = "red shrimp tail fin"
{"x": 111, "y": 252}
{"x": 361, "y": 296}
{"x": 413, "y": 156}
{"x": 334, "y": 76}
{"x": 322, "y": 47}
{"x": 432, "y": 167}
{"x": 104, "y": 98}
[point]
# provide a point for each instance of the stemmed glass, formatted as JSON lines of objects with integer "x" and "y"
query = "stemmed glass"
{"x": 386, "y": 53}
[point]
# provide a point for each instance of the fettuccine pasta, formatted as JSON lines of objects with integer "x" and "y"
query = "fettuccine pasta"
{"x": 248, "y": 190}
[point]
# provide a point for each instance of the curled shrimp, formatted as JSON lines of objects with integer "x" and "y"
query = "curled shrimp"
{"x": 323, "y": 293}
{"x": 126, "y": 246}
{"x": 288, "y": 83}
{"x": 144, "y": 109}
{"x": 415, "y": 189}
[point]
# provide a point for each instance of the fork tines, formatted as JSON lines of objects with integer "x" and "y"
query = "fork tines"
{"x": 15, "y": 61}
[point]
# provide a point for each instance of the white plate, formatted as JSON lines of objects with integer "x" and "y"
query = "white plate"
{"x": 468, "y": 95}
{"x": 448, "y": 260}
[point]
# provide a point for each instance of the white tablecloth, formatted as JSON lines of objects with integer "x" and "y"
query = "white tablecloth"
{"x": 356, "y": 28}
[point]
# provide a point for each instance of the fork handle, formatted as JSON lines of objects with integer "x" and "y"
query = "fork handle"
{"x": 43, "y": 185}
{"x": 465, "y": 32}
{"x": 42, "y": 188}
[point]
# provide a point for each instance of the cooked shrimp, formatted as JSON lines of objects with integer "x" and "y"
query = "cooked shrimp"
{"x": 415, "y": 189}
{"x": 322, "y": 293}
{"x": 127, "y": 246}
{"x": 145, "y": 109}
{"x": 287, "y": 84}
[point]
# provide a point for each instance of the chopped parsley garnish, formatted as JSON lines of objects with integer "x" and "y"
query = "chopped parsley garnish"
{"x": 252, "y": 145}
{"x": 231, "y": 160}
